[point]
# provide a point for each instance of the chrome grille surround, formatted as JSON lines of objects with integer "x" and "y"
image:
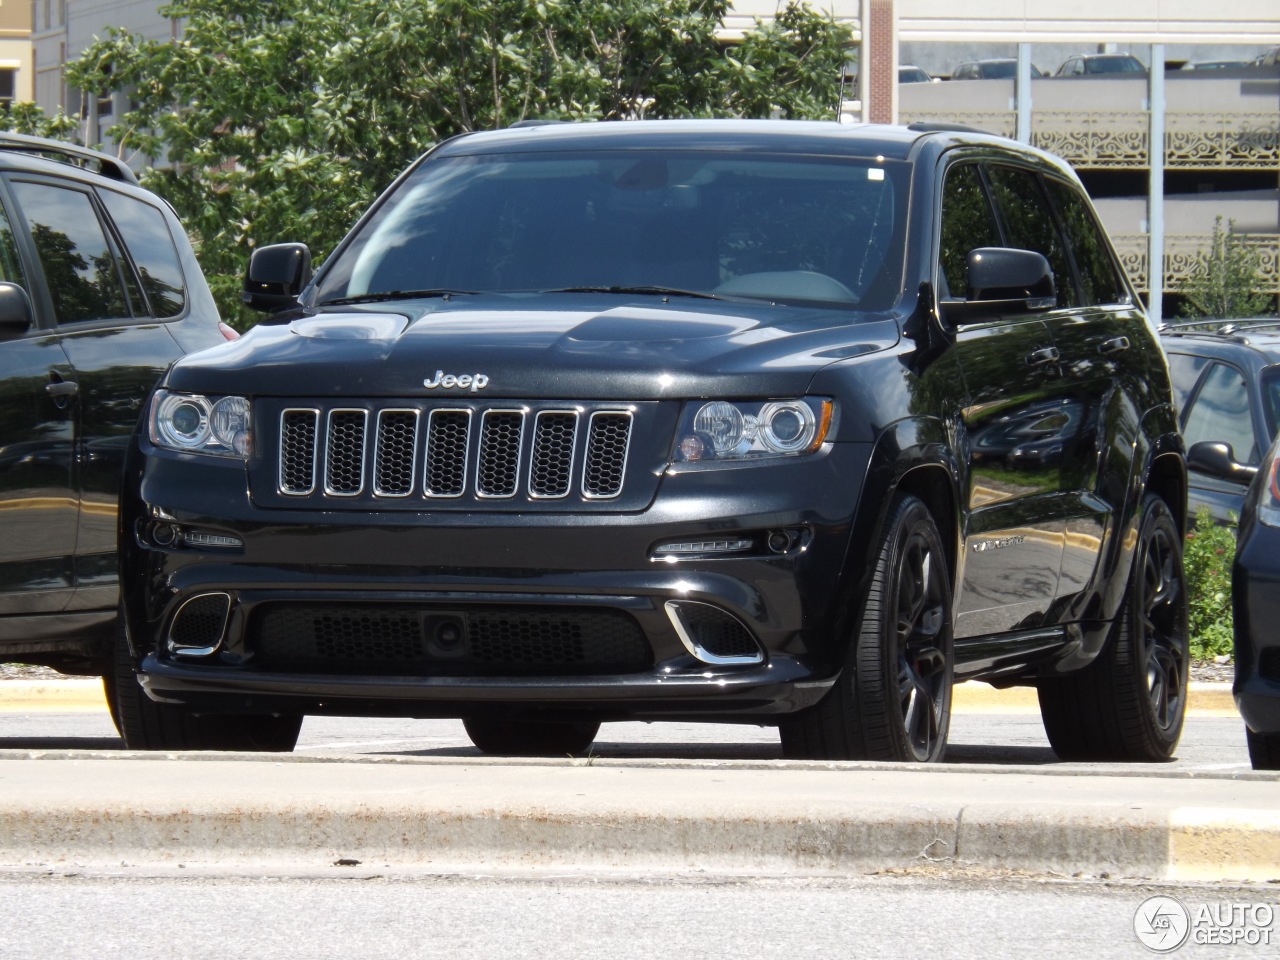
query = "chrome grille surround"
{"x": 498, "y": 463}
{"x": 607, "y": 448}
{"x": 344, "y": 452}
{"x": 468, "y": 452}
{"x": 299, "y": 435}
{"x": 555, "y": 439}
{"x": 448, "y": 442}
{"x": 395, "y": 458}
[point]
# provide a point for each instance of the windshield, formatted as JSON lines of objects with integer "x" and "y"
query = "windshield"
{"x": 734, "y": 224}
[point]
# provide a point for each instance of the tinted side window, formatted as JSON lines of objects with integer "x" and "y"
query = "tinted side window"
{"x": 1184, "y": 371}
{"x": 1029, "y": 224}
{"x": 79, "y": 266}
{"x": 147, "y": 239}
{"x": 1220, "y": 412}
{"x": 1099, "y": 281}
{"x": 967, "y": 223}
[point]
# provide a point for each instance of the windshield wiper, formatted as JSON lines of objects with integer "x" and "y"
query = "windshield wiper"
{"x": 395, "y": 295}
{"x": 646, "y": 290}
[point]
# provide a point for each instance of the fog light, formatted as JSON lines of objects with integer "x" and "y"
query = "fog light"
{"x": 163, "y": 534}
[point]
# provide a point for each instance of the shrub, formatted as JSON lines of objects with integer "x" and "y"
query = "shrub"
{"x": 1209, "y": 551}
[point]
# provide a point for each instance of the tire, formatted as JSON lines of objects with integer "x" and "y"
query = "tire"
{"x": 109, "y": 694}
{"x": 892, "y": 700}
{"x": 515, "y": 737}
{"x": 147, "y": 725}
{"x": 1264, "y": 749}
{"x": 1130, "y": 702}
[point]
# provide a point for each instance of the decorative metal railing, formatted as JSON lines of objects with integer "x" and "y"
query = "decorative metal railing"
{"x": 1118, "y": 139}
{"x": 1183, "y": 251}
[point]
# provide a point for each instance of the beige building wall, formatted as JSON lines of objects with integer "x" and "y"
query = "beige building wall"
{"x": 15, "y": 46}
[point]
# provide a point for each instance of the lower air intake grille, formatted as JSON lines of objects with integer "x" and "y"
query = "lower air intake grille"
{"x": 713, "y": 635}
{"x": 199, "y": 624}
{"x": 493, "y": 641}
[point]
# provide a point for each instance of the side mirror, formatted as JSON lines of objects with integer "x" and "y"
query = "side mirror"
{"x": 1003, "y": 282}
{"x": 276, "y": 275}
{"x": 1217, "y": 459}
{"x": 16, "y": 315}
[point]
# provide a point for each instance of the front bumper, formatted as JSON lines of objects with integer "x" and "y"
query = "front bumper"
{"x": 521, "y": 566}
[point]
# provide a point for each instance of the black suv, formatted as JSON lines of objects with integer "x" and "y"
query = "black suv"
{"x": 99, "y": 293}
{"x": 598, "y": 421}
{"x": 1226, "y": 384}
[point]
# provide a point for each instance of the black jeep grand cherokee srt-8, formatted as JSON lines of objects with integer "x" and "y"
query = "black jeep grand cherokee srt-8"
{"x": 775, "y": 422}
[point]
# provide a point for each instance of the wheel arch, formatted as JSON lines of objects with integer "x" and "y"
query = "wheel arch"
{"x": 913, "y": 456}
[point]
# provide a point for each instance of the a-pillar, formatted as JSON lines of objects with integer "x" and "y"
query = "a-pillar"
{"x": 878, "y": 70}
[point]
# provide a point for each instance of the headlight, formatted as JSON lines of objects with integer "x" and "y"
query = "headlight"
{"x": 197, "y": 424}
{"x": 1269, "y": 495}
{"x": 751, "y": 429}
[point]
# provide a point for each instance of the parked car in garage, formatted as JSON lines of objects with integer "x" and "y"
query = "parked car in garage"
{"x": 1099, "y": 64}
{"x": 99, "y": 293}
{"x": 1226, "y": 383}
{"x": 999, "y": 69}
{"x": 673, "y": 419}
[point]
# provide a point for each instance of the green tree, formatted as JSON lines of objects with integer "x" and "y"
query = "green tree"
{"x": 1225, "y": 279}
{"x": 283, "y": 119}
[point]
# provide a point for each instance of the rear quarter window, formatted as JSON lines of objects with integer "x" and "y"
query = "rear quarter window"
{"x": 1184, "y": 371}
{"x": 146, "y": 237}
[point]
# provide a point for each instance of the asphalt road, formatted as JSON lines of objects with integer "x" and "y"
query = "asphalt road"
{"x": 1209, "y": 743}
{"x": 106, "y": 917}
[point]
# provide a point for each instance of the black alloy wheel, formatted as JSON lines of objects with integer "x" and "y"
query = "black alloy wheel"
{"x": 893, "y": 698}
{"x": 1130, "y": 702}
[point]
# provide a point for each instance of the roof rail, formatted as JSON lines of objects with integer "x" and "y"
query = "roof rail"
{"x": 521, "y": 124}
{"x": 105, "y": 164}
{"x": 1218, "y": 324}
{"x": 945, "y": 126}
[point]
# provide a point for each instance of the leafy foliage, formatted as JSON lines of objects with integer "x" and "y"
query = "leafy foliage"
{"x": 1225, "y": 278}
{"x": 283, "y": 119}
{"x": 1207, "y": 559}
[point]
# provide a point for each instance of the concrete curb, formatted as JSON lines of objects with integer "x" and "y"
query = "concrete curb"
{"x": 233, "y": 812}
{"x": 76, "y": 694}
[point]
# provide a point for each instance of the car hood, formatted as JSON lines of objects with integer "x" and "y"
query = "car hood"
{"x": 576, "y": 346}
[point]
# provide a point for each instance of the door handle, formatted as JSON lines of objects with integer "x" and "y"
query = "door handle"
{"x": 1038, "y": 358}
{"x": 62, "y": 388}
{"x": 1114, "y": 345}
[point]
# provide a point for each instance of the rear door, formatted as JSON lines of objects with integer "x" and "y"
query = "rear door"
{"x": 1102, "y": 344}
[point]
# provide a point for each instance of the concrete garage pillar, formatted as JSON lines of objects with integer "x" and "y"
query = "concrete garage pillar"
{"x": 878, "y": 70}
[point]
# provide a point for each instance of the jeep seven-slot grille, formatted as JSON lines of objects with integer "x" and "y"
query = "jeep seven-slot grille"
{"x": 492, "y": 453}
